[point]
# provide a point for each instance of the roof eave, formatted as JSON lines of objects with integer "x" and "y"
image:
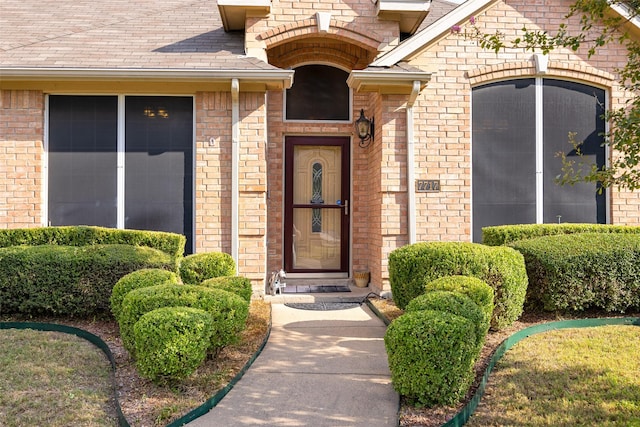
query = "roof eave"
{"x": 282, "y": 79}
{"x": 387, "y": 82}
{"x": 441, "y": 26}
{"x": 461, "y": 13}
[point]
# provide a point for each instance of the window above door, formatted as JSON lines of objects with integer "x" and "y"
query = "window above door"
{"x": 319, "y": 92}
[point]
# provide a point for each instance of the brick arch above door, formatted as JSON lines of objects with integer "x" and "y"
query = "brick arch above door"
{"x": 302, "y": 42}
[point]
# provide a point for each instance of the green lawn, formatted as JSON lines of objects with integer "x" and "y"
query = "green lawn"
{"x": 53, "y": 379}
{"x": 569, "y": 377}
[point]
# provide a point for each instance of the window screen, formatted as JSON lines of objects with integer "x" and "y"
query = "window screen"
{"x": 159, "y": 165}
{"x": 319, "y": 92}
{"x": 158, "y": 168}
{"x": 82, "y": 160}
{"x": 572, "y": 107}
{"x": 504, "y": 143}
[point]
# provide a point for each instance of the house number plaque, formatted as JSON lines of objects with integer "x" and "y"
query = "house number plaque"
{"x": 427, "y": 185}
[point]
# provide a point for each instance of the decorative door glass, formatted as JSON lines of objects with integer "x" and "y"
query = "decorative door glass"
{"x": 317, "y": 207}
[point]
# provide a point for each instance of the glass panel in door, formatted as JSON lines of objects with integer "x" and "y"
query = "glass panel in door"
{"x": 316, "y": 228}
{"x": 317, "y": 214}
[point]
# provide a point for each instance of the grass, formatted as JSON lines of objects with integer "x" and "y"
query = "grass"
{"x": 574, "y": 377}
{"x": 53, "y": 379}
{"x": 568, "y": 377}
{"x": 592, "y": 377}
{"x": 29, "y": 398}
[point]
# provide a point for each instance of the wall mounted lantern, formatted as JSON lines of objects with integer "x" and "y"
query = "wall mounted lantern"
{"x": 365, "y": 129}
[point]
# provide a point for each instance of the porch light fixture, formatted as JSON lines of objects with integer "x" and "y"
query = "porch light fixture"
{"x": 365, "y": 129}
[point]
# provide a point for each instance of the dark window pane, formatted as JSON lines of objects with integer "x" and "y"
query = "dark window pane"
{"x": 572, "y": 107}
{"x": 82, "y": 160}
{"x": 319, "y": 92}
{"x": 159, "y": 164}
{"x": 504, "y": 182}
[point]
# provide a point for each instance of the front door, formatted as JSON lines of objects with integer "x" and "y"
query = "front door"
{"x": 316, "y": 224}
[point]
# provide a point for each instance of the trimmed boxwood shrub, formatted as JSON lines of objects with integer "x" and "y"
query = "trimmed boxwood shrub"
{"x": 139, "y": 279}
{"x": 229, "y": 311}
{"x": 69, "y": 280}
{"x": 238, "y": 285}
{"x": 431, "y": 356}
{"x": 170, "y": 243}
{"x": 458, "y": 304}
{"x": 477, "y": 290}
{"x": 171, "y": 342}
{"x": 505, "y": 234}
{"x": 197, "y": 268}
{"x": 581, "y": 271}
{"x": 411, "y": 267}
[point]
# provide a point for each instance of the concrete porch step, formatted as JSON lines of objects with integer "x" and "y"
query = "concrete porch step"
{"x": 298, "y": 290}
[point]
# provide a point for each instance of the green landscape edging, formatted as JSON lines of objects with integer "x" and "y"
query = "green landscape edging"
{"x": 93, "y": 339}
{"x": 465, "y": 413}
{"x": 213, "y": 401}
{"x": 375, "y": 310}
{"x": 463, "y": 416}
{"x": 98, "y": 342}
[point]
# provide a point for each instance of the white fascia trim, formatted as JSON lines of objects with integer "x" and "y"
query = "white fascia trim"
{"x": 245, "y": 3}
{"x": 442, "y": 25}
{"x": 46, "y": 73}
{"x": 403, "y": 5}
{"x": 385, "y": 77}
{"x": 624, "y": 11}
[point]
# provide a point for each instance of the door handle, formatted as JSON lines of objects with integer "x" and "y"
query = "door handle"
{"x": 344, "y": 204}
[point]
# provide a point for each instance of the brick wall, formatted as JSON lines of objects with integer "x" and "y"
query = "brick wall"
{"x": 290, "y": 19}
{"x": 21, "y": 148}
{"x": 213, "y": 180}
{"x": 443, "y": 110}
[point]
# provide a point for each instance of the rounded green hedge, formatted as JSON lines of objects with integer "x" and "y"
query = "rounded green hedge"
{"x": 69, "y": 280}
{"x": 454, "y": 303}
{"x": 196, "y": 268}
{"x": 238, "y": 285}
{"x": 431, "y": 356}
{"x": 478, "y": 291}
{"x": 139, "y": 279}
{"x": 580, "y": 271}
{"x": 171, "y": 342}
{"x": 83, "y": 235}
{"x": 506, "y": 234}
{"x": 413, "y": 266}
{"x": 229, "y": 311}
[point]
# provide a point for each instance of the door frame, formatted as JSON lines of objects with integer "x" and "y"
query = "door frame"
{"x": 288, "y": 206}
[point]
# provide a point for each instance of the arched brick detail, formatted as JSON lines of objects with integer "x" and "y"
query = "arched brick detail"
{"x": 341, "y": 31}
{"x": 510, "y": 70}
{"x": 309, "y": 50}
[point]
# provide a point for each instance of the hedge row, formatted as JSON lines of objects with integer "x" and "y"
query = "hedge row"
{"x": 432, "y": 348}
{"x": 196, "y": 268}
{"x": 169, "y": 327}
{"x": 69, "y": 280}
{"x": 228, "y": 311}
{"x": 171, "y": 342}
{"x": 170, "y": 243}
{"x": 139, "y": 279}
{"x": 505, "y": 234}
{"x": 411, "y": 267}
{"x": 581, "y": 271}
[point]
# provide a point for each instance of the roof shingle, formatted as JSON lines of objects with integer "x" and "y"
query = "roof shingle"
{"x": 119, "y": 34}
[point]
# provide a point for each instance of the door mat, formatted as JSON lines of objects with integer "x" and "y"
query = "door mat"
{"x": 324, "y": 306}
{"x": 315, "y": 289}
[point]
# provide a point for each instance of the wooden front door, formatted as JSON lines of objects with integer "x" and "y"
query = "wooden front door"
{"x": 316, "y": 224}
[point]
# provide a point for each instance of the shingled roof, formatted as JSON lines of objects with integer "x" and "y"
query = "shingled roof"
{"x": 119, "y": 34}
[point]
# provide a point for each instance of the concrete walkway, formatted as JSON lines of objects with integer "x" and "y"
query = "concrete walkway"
{"x": 319, "y": 368}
